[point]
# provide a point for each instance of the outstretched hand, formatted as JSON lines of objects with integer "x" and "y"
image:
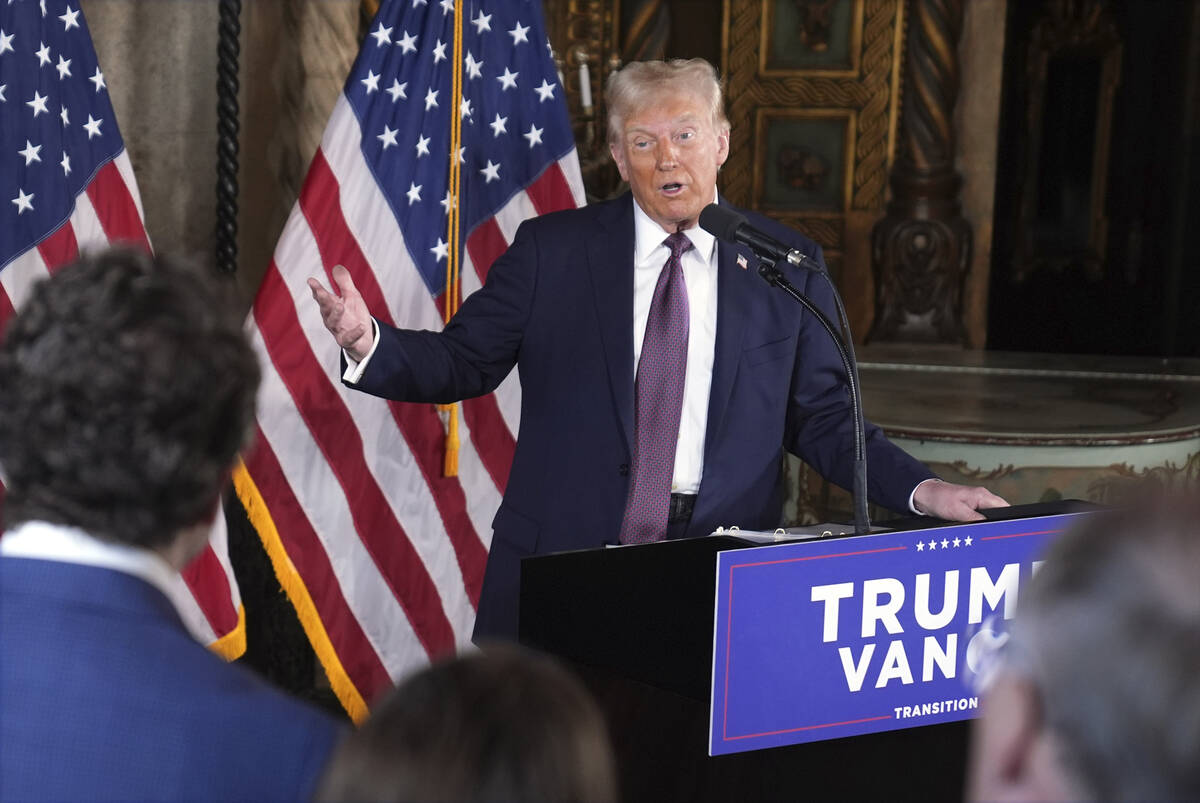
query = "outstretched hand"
{"x": 945, "y": 500}
{"x": 346, "y": 317}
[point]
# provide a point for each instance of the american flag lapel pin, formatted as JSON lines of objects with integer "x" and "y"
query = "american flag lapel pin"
{"x": 741, "y": 262}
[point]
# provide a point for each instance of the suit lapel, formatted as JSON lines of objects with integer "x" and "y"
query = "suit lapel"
{"x": 735, "y": 288}
{"x": 610, "y": 265}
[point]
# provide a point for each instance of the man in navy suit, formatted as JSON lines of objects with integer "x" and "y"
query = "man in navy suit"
{"x": 127, "y": 389}
{"x": 574, "y": 301}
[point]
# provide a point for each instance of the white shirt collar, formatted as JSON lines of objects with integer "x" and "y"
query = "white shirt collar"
{"x": 648, "y": 235}
{"x": 44, "y": 541}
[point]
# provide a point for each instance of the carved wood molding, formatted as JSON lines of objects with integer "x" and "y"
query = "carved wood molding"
{"x": 863, "y": 93}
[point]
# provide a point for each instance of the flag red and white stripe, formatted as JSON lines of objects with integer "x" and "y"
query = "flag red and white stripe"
{"x": 382, "y": 555}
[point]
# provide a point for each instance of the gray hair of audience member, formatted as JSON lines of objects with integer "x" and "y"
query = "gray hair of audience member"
{"x": 503, "y": 724}
{"x": 643, "y": 83}
{"x": 1109, "y": 635}
{"x": 127, "y": 388}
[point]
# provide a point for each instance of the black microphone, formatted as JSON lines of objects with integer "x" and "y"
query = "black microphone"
{"x": 725, "y": 224}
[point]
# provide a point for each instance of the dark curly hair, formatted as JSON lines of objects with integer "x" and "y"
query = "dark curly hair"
{"x": 127, "y": 388}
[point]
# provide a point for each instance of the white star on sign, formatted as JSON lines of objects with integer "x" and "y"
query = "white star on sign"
{"x": 945, "y": 543}
{"x": 920, "y": 546}
{"x": 383, "y": 36}
{"x": 430, "y": 99}
{"x": 23, "y": 201}
{"x": 388, "y": 137}
{"x": 43, "y": 54}
{"x": 534, "y": 136}
{"x": 414, "y": 193}
{"x": 518, "y": 33}
{"x": 440, "y": 250}
{"x": 498, "y": 125}
{"x": 508, "y": 80}
{"x": 371, "y": 82}
{"x": 422, "y": 146}
{"x": 967, "y": 540}
{"x": 397, "y": 90}
{"x": 545, "y": 91}
{"x": 491, "y": 172}
{"x": 63, "y": 67}
{"x": 38, "y": 104}
{"x": 482, "y": 23}
{"x": 98, "y": 80}
{"x": 69, "y": 20}
{"x": 30, "y": 153}
{"x": 407, "y": 43}
{"x": 957, "y": 542}
{"x": 473, "y": 66}
{"x": 933, "y": 544}
{"x": 92, "y": 127}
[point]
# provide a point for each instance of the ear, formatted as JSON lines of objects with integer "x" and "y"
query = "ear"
{"x": 722, "y": 145}
{"x": 618, "y": 155}
{"x": 1005, "y": 743}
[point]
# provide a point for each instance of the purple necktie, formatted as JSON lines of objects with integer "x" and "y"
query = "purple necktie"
{"x": 659, "y": 401}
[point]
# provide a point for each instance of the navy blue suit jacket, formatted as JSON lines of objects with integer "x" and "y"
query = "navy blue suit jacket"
{"x": 559, "y": 303}
{"x": 104, "y": 695}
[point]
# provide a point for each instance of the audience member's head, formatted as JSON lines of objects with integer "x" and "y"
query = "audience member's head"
{"x": 127, "y": 388}
{"x": 1100, "y": 695}
{"x": 500, "y": 725}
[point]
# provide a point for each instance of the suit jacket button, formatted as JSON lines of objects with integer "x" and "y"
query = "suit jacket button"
{"x": 623, "y": 469}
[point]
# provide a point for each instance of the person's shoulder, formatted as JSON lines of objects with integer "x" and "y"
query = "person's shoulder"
{"x": 579, "y": 219}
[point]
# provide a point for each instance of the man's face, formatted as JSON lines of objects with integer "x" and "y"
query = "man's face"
{"x": 669, "y": 153}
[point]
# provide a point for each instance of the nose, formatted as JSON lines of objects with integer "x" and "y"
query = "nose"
{"x": 668, "y": 155}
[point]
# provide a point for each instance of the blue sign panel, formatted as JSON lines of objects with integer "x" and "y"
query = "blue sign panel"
{"x": 826, "y": 639}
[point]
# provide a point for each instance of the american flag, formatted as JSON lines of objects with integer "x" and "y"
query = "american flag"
{"x": 67, "y": 185}
{"x": 381, "y": 554}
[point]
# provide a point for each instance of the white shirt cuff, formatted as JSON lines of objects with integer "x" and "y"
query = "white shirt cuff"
{"x": 912, "y": 505}
{"x": 355, "y": 370}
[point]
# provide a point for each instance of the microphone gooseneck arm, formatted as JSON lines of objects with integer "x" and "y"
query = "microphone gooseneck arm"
{"x": 773, "y": 277}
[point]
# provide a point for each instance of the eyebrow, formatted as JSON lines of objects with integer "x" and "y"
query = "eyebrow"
{"x": 685, "y": 120}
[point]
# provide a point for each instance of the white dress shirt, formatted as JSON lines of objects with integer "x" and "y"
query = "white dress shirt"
{"x": 700, "y": 276}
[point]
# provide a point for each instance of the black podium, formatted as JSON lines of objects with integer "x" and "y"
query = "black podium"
{"x": 636, "y": 623}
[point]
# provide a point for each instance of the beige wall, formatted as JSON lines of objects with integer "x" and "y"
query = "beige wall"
{"x": 159, "y": 59}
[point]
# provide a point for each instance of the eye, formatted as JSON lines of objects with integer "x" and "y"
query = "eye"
{"x": 641, "y": 144}
{"x": 686, "y": 135}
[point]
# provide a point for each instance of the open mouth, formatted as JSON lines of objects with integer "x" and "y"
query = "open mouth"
{"x": 674, "y": 188}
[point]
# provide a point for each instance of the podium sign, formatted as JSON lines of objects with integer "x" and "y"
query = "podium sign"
{"x": 825, "y": 639}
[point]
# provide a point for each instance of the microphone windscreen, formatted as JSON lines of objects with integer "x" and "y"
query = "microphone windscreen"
{"x": 720, "y": 222}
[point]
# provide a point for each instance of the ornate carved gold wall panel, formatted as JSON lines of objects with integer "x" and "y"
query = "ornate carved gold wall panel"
{"x": 813, "y": 100}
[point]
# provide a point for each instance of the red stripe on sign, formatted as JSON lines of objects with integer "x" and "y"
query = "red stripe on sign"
{"x": 307, "y": 554}
{"x": 59, "y": 248}
{"x": 206, "y": 579}
{"x": 551, "y": 192}
{"x": 420, "y": 425}
{"x": 115, "y": 207}
{"x": 492, "y": 438}
{"x": 6, "y": 313}
{"x": 485, "y": 244}
{"x": 334, "y": 430}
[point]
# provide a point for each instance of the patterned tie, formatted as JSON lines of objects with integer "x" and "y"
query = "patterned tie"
{"x": 659, "y": 392}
